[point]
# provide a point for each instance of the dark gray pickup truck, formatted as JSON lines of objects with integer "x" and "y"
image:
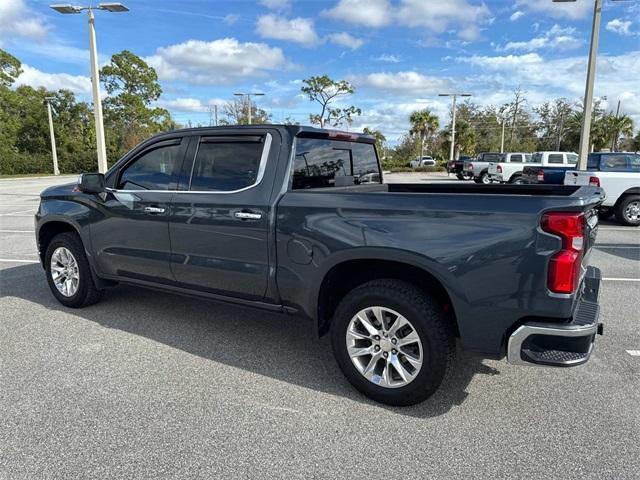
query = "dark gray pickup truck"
{"x": 297, "y": 220}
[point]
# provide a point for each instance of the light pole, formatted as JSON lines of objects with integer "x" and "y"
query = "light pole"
{"x": 249, "y": 95}
{"x": 95, "y": 80}
{"x": 453, "y": 118}
{"x": 585, "y": 131}
{"x": 54, "y": 153}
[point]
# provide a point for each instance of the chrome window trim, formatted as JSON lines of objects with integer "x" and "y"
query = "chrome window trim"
{"x": 261, "y": 169}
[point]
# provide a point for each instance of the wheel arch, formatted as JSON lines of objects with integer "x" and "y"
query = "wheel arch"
{"x": 347, "y": 273}
{"x": 48, "y": 230}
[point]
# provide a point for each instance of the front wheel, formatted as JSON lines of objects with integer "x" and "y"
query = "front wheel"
{"x": 628, "y": 211}
{"x": 392, "y": 342}
{"x": 69, "y": 273}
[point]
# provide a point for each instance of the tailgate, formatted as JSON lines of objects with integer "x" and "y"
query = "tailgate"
{"x": 572, "y": 177}
{"x": 493, "y": 168}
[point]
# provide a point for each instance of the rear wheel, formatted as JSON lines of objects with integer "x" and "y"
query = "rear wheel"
{"x": 392, "y": 342}
{"x": 460, "y": 176}
{"x": 484, "y": 178}
{"x": 516, "y": 180}
{"x": 69, "y": 273}
{"x": 628, "y": 210}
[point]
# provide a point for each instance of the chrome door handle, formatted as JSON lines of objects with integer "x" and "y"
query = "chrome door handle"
{"x": 248, "y": 215}
{"x": 154, "y": 210}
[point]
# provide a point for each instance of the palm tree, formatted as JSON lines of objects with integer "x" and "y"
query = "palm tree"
{"x": 423, "y": 123}
{"x": 616, "y": 126}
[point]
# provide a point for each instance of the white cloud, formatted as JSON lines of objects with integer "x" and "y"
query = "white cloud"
{"x": 188, "y": 104}
{"x": 619, "y": 26}
{"x": 435, "y": 16}
{"x": 276, "y": 4}
{"x": 438, "y": 16}
{"x": 218, "y": 62}
{"x": 231, "y": 18}
{"x": 370, "y": 13}
{"x": 53, "y": 81}
{"x": 557, "y": 37}
{"x": 298, "y": 30}
{"x": 572, "y": 10}
{"x": 388, "y": 58}
{"x": 17, "y": 21}
{"x": 345, "y": 40}
{"x": 516, "y": 15}
{"x": 408, "y": 83}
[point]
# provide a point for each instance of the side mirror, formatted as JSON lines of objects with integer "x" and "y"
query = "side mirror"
{"x": 91, "y": 183}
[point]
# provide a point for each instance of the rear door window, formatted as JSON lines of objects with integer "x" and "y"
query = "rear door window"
{"x": 536, "y": 158}
{"x": 634, "y": 162}
{"x": 572, "y": 158}
{"x": 614, "y": 163}
{"x": 322, "y": 163}
{"x": 516, "y": 158}
{"x": 227, "y": 163}
{"x": 593, "y": 161}
{"x": 556, "y": 158}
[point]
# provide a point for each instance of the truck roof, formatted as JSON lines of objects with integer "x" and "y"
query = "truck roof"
{"x": 293, "y": 130}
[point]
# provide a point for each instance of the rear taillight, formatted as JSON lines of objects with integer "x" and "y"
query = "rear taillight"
{"x": 594, "y": 181}
{"x": 540, "y": 175}
{"x": 499, "y": 169}
{"x": 564, "y": 266}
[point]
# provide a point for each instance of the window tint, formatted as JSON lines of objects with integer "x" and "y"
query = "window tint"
{"x": 330, "y": 163}
{"x": 491, "y": 157}
{"x": 527, "y": 157}
{"x": 634, "y": 162}
{"x": 614, "y": 162}
{"x": 593, "y": 161}
{"x": 153, "y": 170}
{"x": 572, "y": 158}
{"x": 516, "y": 158}
{"x": 536, "y": 158}
{"x": 555, "y": 158}
{"x": 227, "y": 163}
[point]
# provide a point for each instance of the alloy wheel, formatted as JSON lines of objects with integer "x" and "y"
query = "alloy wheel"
{"x": 65, "y": 272}
{"x": 384, "y": 347}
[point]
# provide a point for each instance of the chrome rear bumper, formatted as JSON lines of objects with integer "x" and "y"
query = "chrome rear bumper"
{"x": 560, "y": 344}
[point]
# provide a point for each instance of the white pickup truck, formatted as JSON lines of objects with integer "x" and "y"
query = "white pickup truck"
{"x": 618, "y": 173}
{"x": 509, "y": 168}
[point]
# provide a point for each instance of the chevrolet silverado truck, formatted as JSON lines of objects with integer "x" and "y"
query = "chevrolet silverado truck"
{"x": 549, "y": 167}
{"x": 618, "y": 173}
{"x": 298, "y": 220}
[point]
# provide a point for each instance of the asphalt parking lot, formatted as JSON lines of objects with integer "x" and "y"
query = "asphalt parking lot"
{"x": 151, "y": 385}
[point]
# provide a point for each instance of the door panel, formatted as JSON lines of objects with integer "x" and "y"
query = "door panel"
{"x": 219, "y": 229}
{"x": 132, "y": 238}
{"x": 131, "y": 241}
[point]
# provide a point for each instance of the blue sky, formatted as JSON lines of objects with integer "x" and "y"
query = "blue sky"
{"x": 399, "y": 54}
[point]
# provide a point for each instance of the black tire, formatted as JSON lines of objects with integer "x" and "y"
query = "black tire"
{"x": 622, "y": 210}
{"x": 459, "y": 176}
{"x": 605, "y": 212}
{"x": 516, "y": 180}
{"x": 484, "y": 178}
{"x": 87, "y": 293}
{"x": 430, "y": 324}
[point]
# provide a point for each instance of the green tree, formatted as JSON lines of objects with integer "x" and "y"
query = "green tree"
{"x": 424, "y": 123}
{"x": 325, "y": 91}
{"x": 380, "y": 140}
{"x": 132, "y": 86}
{"x": 553, "y": 117}
{"x": 617, "y": 126}
{"x": 10, "y": 68}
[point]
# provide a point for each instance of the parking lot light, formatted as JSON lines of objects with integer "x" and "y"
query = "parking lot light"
{"x": 114, "y": 7}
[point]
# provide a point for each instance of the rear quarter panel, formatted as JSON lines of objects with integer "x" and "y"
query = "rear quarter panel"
{"x": 486, "y": 250}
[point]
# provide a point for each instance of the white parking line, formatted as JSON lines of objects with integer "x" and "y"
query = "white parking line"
{"x": 634, "y": 353}
{"x": 613, "y": 279}
{"x": 16, "y": 231}
{"x": 607, "y": 247}
{"x": 620, "y": 229}
{"x": 17, "y": 214}
{"x": 17, "y": 260}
